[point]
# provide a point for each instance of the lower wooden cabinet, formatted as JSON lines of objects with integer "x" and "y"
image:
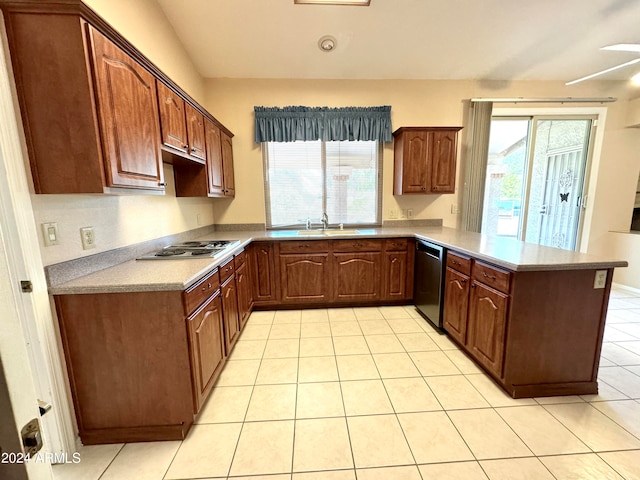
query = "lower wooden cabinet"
{"x": 399, "y": 255}
{"x": 305, "y": 278}
{"x": 206, "y": 340}
{"x": 230, "y": 312}
{"x": 243, "y": 284}
{"x": 356, "y": 276}
{"x": 456, "y": 304}
{"x": 262, "y": 263}
{"x": 486, "y": 326}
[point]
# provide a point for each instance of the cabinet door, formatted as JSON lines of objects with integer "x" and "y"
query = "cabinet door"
{"x": 244, "y": 294}
{"x": 263, "y": 273}
{"x": 215, "y": 178}
{"x": 227, "y": 163}
{"x": 415, "y": 168}
{"x": 305, "y": 278}
{"x": 172, "y": 118}
{"x": 356, "y": 276}
{"x": 230, "y": 312}
{"x": 456, "y": 303}
{"x": 487, "y": 325}
{"x": 129, "y": 119}
{"x": 443, "y": 161}
{"x": 396, "y": 264}
{"x": 206, "y": 341}
{"x": 195, "y": 132}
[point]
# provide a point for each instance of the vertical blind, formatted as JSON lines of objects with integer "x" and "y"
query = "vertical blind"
{"x": 306, "y": 179}
{"x": 476, "y": 165}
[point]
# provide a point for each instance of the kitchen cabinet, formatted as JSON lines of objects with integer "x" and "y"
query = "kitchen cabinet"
{"x": 91, "y": 122}
{"x": 229, "y": 293}
{"x": 399, "y": 254}
{"x": 214, "y": 180}
{"x": 487, "y": 326}
{"x": 263, "y": 273}
{"x": 227, "y": 165}
{"x": 195, "y": 132}
{"x": 182, "y": 126}
{"x": 137, "y": 372}
{"x": 304, "y": 271}
{"x": 425, "y": 160}
{"x": 243, "y": 284}
{"x": 537, "y": 333}
{"x": 356, "y": 270}
{"x": 207, "y": 347}
{"x": 475, "y": 308}
{"x": 103, "y": 117}
{"x": 456, "y": 296}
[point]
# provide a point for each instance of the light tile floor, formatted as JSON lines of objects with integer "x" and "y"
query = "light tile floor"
{"x": 376, "y": 393}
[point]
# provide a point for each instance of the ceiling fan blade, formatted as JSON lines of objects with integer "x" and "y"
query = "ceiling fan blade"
{"x": 623, "y": 47}
{"x": 602, "y": 72}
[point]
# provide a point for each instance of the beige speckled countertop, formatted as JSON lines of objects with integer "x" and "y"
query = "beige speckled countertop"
{"x": 150, "y": 275}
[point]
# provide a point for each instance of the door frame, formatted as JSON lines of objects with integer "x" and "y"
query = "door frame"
{"x": 593, "y": 163}
{"x": 20, "y": 238}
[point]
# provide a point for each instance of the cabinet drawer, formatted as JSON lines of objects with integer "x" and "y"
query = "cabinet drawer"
{"x": 308, "y": 246}
{"x": 491, "y": 276}
{"x": 200, "y": 291}
{"x": 226, "y": 269}
{"x": 396, "y": 245}
{"x": 357, "y": 245}
{"x": 459, "y": 263}
{"x": 239, "y": 259}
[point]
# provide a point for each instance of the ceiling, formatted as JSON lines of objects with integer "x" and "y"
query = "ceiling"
{"x": 408, "y": 39}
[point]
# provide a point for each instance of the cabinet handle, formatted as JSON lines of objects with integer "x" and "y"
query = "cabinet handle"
{"x": 162, "y": 184}
{"x": 455, "y": 262}
{"x": 208, "y": 285}
{"x": 491, "y": 277}
{"x": 358, "y": 245}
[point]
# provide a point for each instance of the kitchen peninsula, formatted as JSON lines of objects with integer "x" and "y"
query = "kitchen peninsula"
{"x": 532, "y": 317}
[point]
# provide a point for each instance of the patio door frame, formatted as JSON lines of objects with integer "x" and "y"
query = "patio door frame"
{"x": 598, "y": 117}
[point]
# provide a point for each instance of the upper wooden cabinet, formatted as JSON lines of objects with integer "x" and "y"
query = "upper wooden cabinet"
{"x": 97, "y": 114}
{"x": 129, "y": 135}
{"x": 216, "y": 180}
{"x": 76, "y": 90}
{"x": 425, "y": 160}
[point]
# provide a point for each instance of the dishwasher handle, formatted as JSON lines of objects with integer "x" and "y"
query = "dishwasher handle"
{"x": 430, "y": 249}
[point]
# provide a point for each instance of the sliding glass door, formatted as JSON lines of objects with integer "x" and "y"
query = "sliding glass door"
{"x": 536, "y": 176}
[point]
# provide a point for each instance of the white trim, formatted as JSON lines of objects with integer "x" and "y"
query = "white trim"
{"x": 25, "y": 263}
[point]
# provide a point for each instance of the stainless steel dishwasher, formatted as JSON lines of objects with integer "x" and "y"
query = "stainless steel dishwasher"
{"x": 428, "y": 291}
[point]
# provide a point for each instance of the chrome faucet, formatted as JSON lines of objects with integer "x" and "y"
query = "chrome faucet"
{"x": 308, "y": 224}
{"x": 325, "y": 221}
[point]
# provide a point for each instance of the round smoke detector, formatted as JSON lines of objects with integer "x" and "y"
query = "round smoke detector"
{"x": 327, "y": 43}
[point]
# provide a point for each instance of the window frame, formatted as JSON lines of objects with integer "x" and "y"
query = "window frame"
{"x": 300, "y": 226}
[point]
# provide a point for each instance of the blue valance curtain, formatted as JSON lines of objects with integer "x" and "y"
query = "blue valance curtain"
{"x": 288, "y": 124}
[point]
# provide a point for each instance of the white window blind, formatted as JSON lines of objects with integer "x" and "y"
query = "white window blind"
{"x": 305, "y": 179}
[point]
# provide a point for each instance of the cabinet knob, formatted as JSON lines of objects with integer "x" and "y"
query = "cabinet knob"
{"x": 424, "y": 188}
{"x": 463, "y": 281}
{"x": 185, "y": 146}
{"x": 193, "y": 149}
{"x": 162, "y": 184}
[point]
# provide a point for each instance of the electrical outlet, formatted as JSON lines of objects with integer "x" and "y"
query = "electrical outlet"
{"x": 455, "y": 210}
{"x": 393, "y": 214}
{"x": 199, "y": 219}
{"x": 88, "y": 238}
{"x": 409, "y": 212}
{"x": 50, "y": 233}
{"x": 601, "y": 279}
{"x": 403, "y": 213}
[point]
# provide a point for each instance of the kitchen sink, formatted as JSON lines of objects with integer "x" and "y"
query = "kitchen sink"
{"x": 328, "y": 232}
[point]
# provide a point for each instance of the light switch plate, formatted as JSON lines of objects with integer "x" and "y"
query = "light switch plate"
{"x": 601, "y": 279}
{"x": 50, "y": 233}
